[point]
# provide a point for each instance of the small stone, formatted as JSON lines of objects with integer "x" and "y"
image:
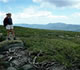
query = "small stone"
{"x": 1, "y": 56}
{"x": 57, "y": 68}
{"x": 27, "y": 67}
{"x": 16, "y": 62}
{"x": 11, "y": 68}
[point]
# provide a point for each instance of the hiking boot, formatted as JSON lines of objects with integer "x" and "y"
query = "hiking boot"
{"x": 14, "y": 38}
{"x": 9, "y": 39}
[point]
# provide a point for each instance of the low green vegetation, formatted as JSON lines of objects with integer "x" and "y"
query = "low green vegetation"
{"x": 60, "y": 46}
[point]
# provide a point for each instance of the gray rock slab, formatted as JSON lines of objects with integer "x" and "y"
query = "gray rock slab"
{"x": 1, "y": 56}
{"x": 11, "y": 68}
{"x": 27, "y": 67}
{"x": 57, "y": 68}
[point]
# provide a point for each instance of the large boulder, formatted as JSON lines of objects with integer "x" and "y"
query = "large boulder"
{"x": 5, "y": 45}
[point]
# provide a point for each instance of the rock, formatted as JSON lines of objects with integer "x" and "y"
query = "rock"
{"x": 19, "y": 62}
{"x": 11, "y": 68}
{"x": 1, "y": 34}
{"x": 27, "y": 67}
{"x": 57, "y": 68}
{"x": 16, "y": 62}
{"x": 5, "y": 45}
{"x": 1, "y": 56}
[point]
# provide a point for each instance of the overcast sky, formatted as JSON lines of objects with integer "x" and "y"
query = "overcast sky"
{"x": 41, "y": 11}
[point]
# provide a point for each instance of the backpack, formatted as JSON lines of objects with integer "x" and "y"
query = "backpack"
{"x": 5, "y": 22}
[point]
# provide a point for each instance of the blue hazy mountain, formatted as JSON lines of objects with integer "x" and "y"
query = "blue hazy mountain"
{"x": 53, "y": 26}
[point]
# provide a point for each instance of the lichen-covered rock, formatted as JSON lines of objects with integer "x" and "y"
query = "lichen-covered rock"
{"x": 57, "y": 67}
{"x": 13, "y": 53}
{"x": 11, "y": 68}
{"x": 27, "y": 67}
{"x": 5, "y": 45}
{"x": 20, "y": 61}
{"x": 1, "y": 56}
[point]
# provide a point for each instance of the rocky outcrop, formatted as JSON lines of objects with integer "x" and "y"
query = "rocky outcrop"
{"x": 13, "y": 56}
{"x": 11, "y": 52}
{"x": 5, "y": 45}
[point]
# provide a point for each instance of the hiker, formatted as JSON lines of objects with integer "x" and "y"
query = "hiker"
{"x": 8, "y": 24}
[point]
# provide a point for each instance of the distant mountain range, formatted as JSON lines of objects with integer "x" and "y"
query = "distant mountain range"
{"x": 53, "y": 26}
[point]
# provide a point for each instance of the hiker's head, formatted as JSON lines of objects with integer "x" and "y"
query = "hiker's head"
{"x": 8, "y": 14}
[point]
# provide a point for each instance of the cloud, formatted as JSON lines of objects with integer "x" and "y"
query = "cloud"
{"x": 76, "y": 17}
{"x": 2, "y": 15}
{"x": 33, "y": 15}
{"x": 77, "y": 14}
{"x": 5, "y": 1}
{"x": 36, "y": 1}
{"x": 77, "y": 5}
{"x": 60, "y": 3}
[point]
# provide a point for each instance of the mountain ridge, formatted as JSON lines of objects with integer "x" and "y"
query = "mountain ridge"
{"x": 53, "y": 26}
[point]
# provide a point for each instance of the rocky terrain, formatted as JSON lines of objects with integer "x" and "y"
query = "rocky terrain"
{"x": 14, "y": 56}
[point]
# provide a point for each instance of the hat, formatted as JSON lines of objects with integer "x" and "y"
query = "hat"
{"x": 8, "y": 14}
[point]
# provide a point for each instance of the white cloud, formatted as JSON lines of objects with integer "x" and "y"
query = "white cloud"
{"x": 36, "y": 1}
{"x": 77, "y": 14}
{"x": 74, "y": 18}
{"x": 5, "y": 1}
{"x": 2, "y": 15}
{"x": 60, "y": 3}
{"x": 32, "y": 15}
{"x": 77, "y": 6}
{"x": 34, "y": 12}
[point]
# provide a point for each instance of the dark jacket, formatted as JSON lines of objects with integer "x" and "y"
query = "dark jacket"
{"x": 7, "y": 21}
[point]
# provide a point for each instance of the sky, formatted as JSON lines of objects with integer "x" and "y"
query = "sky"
{"x": 41, "y": 11}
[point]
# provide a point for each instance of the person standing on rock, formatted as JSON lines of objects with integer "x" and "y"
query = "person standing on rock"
{"x": 8, "y": 24}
